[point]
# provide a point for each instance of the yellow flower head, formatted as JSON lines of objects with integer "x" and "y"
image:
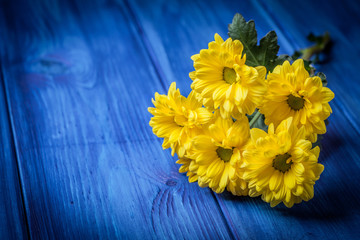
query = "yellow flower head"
{"x": 189, "y": 167}
{"x": 223, "y": 80}
{"x": 293, "y": 93}
{"x": 280, "y": 165}
{"x": 217, "y": 155}
{"x": 177, "y": 119}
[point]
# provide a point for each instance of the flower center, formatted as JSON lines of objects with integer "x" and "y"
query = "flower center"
{"x": 295, "y": 103}
{"x": 224, "y": 153}
{"x": 229, "y": 75}
{"x": 280, "y": 162}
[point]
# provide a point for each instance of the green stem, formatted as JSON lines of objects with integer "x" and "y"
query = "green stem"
{"x": 307, "y": 53}
{"x": 255, "y": 118}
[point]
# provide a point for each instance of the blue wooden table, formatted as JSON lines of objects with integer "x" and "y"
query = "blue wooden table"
{"x": 78, "y": 158}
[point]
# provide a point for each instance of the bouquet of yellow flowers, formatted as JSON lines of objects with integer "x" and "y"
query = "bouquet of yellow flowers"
{"x": 251, "y": 122}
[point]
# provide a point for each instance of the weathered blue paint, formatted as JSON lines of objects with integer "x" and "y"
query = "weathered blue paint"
{"x": 79, "y": 159}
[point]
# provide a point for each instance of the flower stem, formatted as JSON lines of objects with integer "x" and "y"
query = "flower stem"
{"x": 255, "y": 118}
{"x": 321, "y": 42}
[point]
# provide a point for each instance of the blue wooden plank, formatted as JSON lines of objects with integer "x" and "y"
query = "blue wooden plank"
{"x": 12, "y": 214}
{"x": 79, "y": 81}
{"x": 178, "y": 30}
{"x": 13, "y": 223}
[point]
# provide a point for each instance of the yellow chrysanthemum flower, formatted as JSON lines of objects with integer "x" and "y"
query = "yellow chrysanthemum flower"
{"x": 223, "y": 80}
{"x": 280, "y": 165}
{"x": 188, "y": 166}
{"x": 217, "y": 155}
{"x": 293, "y": 93}
{"x": 177, "y": 119}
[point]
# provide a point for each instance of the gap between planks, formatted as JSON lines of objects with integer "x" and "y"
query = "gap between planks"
{"x": 15, "y": 146}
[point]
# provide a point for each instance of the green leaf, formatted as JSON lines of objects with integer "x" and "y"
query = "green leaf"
{"x": 279, "y": 60}
{"x": 264, "y": 54}
{"x": 323, "y": 78}
{"x": 309, "y": 67}
{"x": 259, "y": 121}
{"x": 296, "y": 55}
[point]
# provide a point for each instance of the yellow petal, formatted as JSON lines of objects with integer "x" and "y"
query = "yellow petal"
{"x": 271, "y": 129}
{"x": 202, "y": 142}
{"x": 309, "y": 192}
{"x": 298, "y": 168}
{"x": 261, "y": 71}
{"x": 193, "y": 178}
{"x": 284, "y": 125}
{"x": 192, "y": 75}
{"x": 195, "y": 57}
{"x": 327, "y": 94}
{"x": 218, "y": 39}
{"x": 257, "y": 133}
{"x": 225, "y": 176}
{"x": 275, "y": 181}
{"x": 316, "y": 151}
{"x": 215, "y": 168}
{"x": 287, "y": 197}
{"x": 289, "y": 180}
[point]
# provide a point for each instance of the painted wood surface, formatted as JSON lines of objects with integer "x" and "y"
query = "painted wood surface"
{"x": 12, "y": 214}
{"x": 80, "y": 160}
{"x": 13, "y": 224}
{"x": 79, "y": 87}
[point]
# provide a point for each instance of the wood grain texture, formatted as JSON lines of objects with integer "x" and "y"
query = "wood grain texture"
{"x": 13, "y": 223}
{"x": 78, "y": 78}
{"x": 79, "y": 81}
{"x": 12, "y": 214}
